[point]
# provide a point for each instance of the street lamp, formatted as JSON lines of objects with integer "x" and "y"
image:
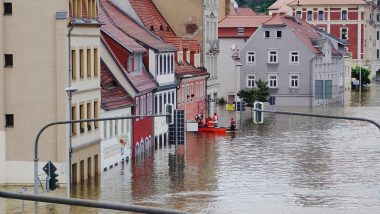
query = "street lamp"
{"x": 69, "y": 91}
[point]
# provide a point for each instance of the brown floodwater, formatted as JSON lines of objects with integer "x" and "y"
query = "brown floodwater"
{"x": 288, "y": 164}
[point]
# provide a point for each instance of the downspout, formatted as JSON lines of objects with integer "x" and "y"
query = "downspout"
{"x": 311, "y": 80}
{"x": 70, "y": 62}
{"x": 206, "y": 100}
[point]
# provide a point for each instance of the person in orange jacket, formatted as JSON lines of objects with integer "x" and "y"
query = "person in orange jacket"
{"x": 233, "y": 124}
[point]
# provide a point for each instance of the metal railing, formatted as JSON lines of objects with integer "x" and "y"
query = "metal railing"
{"x": 320, "y": 115}
{"x": 87, "y": 203}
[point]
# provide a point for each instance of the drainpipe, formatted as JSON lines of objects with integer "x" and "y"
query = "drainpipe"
{"x": 206, "y": 100}
{"x": 311, "y": 80}
{"x": 69, "y": 127}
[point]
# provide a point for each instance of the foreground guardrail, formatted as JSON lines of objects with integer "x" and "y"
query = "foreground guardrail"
{"x": 88, "y": 203}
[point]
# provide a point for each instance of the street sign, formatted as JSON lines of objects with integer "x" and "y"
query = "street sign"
{"x": 49, "y": 168}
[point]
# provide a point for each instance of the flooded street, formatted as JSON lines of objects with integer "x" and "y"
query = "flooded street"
{"x": 289, "y": 164}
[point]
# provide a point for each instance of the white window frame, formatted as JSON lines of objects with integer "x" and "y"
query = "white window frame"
{"x": 250, "y": 81}
{"x": 341, "y": 32}
{"x": 298, "y": 14}
{"x": 251, "y": 55}
{"x": 291, "y": 57}
{"x": 307, "y": 15}
{"x": 296, "y": 81}
{"x": 274, "y": 55}
{"x": 265, "y": 34}
{"x": 323, "y": 15}
{"x": 341, "y": 14}
{"x": 270, "y": 80}
{"x": 277, "y": 34}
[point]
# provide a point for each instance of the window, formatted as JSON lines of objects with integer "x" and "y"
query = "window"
{"x": 250, "y": 57}
{"x": 183, "y": 93}
{"x": 272, "y": 81}
{"x": 81, "y": 63}
{"x": 180, "y": 57}
{"x": 294, "y": 81}
{"x": 377, "y": 53}
{"x": 74, "y": 117}
{"x": 8, "y": 60}
{"x": 320, "y": 15}
{"x": 191, "y": 92}
{"x": 279, "y": 34}
{"x": 76, "y": 8}
{"x": 299, "y": 14}
{"x": 250, "y": 81}
{"x": 378, "y": 17}
{"x": 81, "y": 117}
{"x": 272, "y": 56}
{"x": 7, "y": 8}
{"x": 89, "y": 115}
{"x": 160, "y": 104}
{"x": 344, "y": 15}
{"x": 187, "y": 60}
{"x": 96, "y": 114}
{"x": 73, "y": 64}
{"x": 89, "y": 63}
{"x": 96, "y": 62}
{"x": 267, "y": 34}
{"x": 91, "y": 8}
{"x": 309, "y": 15}
{"x": 294, "y": 57}
{"x": 344, "y": 33}
{"x": 9, "y": 120}
{"x": 155, "y": 104}
{"x": 240, "y": 31}
{"x": 172, "y": 62}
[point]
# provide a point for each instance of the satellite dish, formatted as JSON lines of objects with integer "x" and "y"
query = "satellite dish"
{"x": 233, "y": 46}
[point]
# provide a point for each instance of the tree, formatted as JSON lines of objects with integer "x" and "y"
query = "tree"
{"x": 260, "y": 6}
{"x": 260, "y": 93}
{"x": 355, "y": 73}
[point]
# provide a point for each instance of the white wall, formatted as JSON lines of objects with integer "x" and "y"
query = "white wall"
{"x": 2, "y": 157}
{"x": 228, "y": 70}
{"x": 111, "y": 150}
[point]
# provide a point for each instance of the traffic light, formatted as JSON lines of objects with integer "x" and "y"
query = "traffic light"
{"x": 170, "y": 112}
{"x": 258, "y": 117}
{"x": 53, "y": 182}
{"x": 240, "y": 106}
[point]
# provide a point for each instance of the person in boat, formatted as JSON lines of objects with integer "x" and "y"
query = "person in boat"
{"x": 215, "y": 119}
{"x": 233, "y": 124}
{"x": 210, "y": 122}
{"x": 203, "y": 123}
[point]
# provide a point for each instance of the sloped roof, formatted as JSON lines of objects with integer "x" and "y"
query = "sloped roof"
{"x": 119, "y": 36}
{"x": 152, "y": 19}
{"x": 279, "y": 4}
{"x": 128, "y": 26}
{"x": 327, "y": 2}
{"x": 304, "y": 31}
{"x": 141, "y": 81}
{"x": 240, "y": 11}
{"x": 114, "y": 96}
{"x": 151, "y": 16}
{"x": 243, "y": 21}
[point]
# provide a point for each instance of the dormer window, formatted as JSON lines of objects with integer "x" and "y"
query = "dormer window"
{"x": 180, "y": 57}
{"x": 91, "y": 9}
{"x": 299, "y": 14}
{"x": 188, "y": 57}
{"x": 134, "y": 63}
{"x": 76, "y": 8}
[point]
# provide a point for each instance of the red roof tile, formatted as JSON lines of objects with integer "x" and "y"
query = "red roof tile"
{"x": 303, "y": 30}
{"x": 243, "y": 21}
{"x": 110, "y": 29}
{"x": 151, "y": 16}
{"x": 128, "y": 26}
{"x": 327, "y": 2}
{"x": 114, "y": 96}
{"x": 245, "y": 12}
{"x": 141, "y": 81}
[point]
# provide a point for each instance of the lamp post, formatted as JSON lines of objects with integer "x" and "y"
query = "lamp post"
{"x": 70, "y": 91}
{"x": 236, "y": 59}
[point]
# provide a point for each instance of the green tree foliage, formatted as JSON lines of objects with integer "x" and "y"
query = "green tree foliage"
{"x": 260, "y": 6}
{"x": 260, "y": 93}
{"x": 355, "y": 73}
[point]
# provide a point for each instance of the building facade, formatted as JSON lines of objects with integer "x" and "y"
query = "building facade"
{"x": 372, "y": 32}
{"x": 293, "y": 58}
{"x": 233, "y": 33}
{"x": 26, "y": 107}
{"x": 343, "y": 19}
